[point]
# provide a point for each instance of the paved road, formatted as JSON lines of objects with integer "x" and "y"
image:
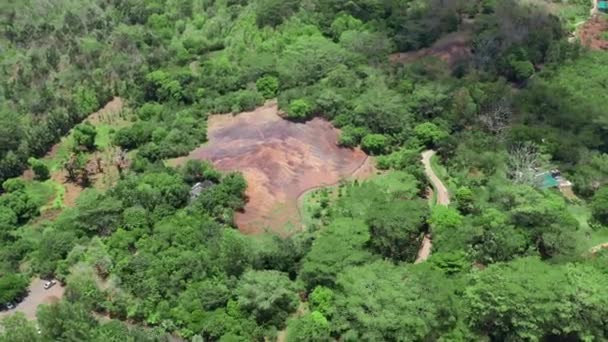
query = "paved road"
{"x": 443, "y": 198}
{"x": 37, "y": 295}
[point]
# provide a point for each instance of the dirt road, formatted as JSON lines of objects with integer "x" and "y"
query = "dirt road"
{"x": 443, "y": 198}
{"x": 37, "y": 295}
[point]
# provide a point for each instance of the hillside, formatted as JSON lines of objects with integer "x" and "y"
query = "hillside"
{"x": 281, "y": 170}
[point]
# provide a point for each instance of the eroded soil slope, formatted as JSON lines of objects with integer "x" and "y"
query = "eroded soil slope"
{"x": 280, "y": 159}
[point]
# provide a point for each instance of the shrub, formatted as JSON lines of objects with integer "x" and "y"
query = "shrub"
{"x": 267, "y": 86}
{"x": 429, "y": 134}
{"x": 299, "y": 109}
{"x": 374, "y": 144}
{"x": 522, "y": 70}
{"x": 84, "y": 136}
{"x": 41, "y": 171}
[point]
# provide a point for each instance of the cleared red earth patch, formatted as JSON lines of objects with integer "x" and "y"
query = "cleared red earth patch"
{"x": 280, "y": 160}
{"x": 452, "y": 48}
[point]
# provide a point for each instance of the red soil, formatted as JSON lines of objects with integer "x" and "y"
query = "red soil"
{"x": 591, "y": 33}
{"x": 452, "y": 48}
{"x": 280, "y": 160}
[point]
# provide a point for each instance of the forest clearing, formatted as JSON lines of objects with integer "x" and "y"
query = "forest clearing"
{"x": 279, "y": 159}
{"x": 280, "y": 170}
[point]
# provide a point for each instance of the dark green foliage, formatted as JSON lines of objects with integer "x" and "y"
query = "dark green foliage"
{"x": 174, "y": 262}
{"x": 268, "y": 296}
{"x": 84, "y": 137}
{"x": 12, "y": 288}
{"x": 41, "y": 171}
{"x": 396, "y": 228}
{"x": 340, "y": 245}
{"x": 599, "y": 206}
{"x": 268, "y": 86}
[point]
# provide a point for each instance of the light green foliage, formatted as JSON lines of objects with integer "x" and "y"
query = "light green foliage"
{"x": 177, "y": 264}
{"x": 429, "y": 134}
{"x": 268, "y": 296}
{"x": 12, "y": 287}
{"x": 310, "y": 327}
{"x": 17, "y": 328}
{"x": 308, "y": 59}
{"x": 381, "y": 301}
{"x": 529, "y": 299}
{"x": 163, "y": 86}
{"x": 350, "y": 136}
{"x": 522, "y": 69}
{"x": 374, "y": 144}
{"x": 344, "y": 22}
{"x": 465, "y": 200}
{"x": 443, "y": 218}
{"x": 321, "y": 299}
{"x": 267, "y": 86}
{"x": 86, "y": 101}
{"x": 299, "y": 109}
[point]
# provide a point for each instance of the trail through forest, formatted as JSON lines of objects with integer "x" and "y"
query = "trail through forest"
{"x": 443, "y": 198}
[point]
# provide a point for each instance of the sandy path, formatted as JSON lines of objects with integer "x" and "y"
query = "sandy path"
{"x": 37, "y": 295}
{"x": 443, "y": 198}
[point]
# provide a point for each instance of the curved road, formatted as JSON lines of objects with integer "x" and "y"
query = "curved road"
{"x": 443, "y": 198}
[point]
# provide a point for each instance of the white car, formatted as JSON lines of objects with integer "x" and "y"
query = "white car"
{"x": 10, "y": 306}
{"x": 49, "y": 284}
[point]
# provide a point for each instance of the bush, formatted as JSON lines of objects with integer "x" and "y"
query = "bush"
{"x": 12, "y": 288}
{"x": 522, "y": 70}
{"x": 247, "y": 100}
{"x": 267, "y": 86}
{"x": 374, "y": 144}
{"x": 299, "y": 109}
{"x": 13, "y": 185}
{"x": 84, "y": 136}
{"x": 41, "y": 171}
{"x": 351, "y": 136}
{"x": 429, "y": 134}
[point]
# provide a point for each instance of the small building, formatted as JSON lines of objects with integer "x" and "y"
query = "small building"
{"x": 602, "y": 5}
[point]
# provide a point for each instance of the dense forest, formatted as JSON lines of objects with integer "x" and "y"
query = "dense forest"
{"x": 142, "y": 259}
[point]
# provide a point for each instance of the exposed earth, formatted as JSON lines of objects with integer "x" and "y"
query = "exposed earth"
{"x": 443, "y": 198}
{"x": 279, "y": 159}
{"x": 37, "y": 295}
{"x": 591, "y": 33}
{"x": 452, "y": 49}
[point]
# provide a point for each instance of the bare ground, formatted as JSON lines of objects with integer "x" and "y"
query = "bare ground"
{"x": 279, "y": 159}
{"x": 452, "y": 48}
{"x": 590, "y": 33}
{"x": 37, "y": 295}
{"x": 443, "y": 198}
{"x": 107, "y": 114}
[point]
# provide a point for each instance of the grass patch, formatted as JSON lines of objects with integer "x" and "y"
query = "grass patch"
{"x": 589, "y": 237}
{"x": 61, "y": 154}
{"x": 103, "y": 139}
{"x": 41, "y": 192}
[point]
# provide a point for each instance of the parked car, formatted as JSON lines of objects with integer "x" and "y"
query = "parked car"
{"x": 9, "y": 306}
{"x": 49, "y": 284}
